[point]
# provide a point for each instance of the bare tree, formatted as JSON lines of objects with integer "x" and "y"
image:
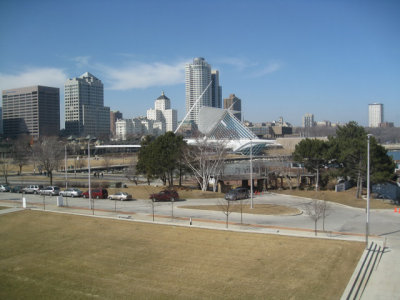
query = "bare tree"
{"x": 4, "y": 168}
{"x": 226, "y": 207}
{"x": 325, "y": 212}
{"x": 206, "y": 160}
{"x": 153, "y": 206}
{"x": 242, "y": 204}
{"x": 20, "y": 150}
{"x": 130, "y": 172}
{"x": 49, "y": 153}
{"x": 81, "y": 162}
{"x": 107, "y": 160}
{"x": 315, "y": 210}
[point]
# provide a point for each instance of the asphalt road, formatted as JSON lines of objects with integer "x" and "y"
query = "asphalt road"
{"x": 340, "y": 218}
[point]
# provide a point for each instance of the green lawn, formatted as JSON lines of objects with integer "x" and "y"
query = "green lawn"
{"x": 57, "y": 256}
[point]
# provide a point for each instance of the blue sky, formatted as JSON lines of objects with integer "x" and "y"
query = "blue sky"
{"x": 282, "y": 58}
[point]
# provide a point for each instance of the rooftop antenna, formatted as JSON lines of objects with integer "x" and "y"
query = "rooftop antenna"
{"x": 190, "y": 110}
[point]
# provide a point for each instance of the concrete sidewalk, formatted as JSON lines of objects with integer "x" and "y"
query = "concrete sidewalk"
{"x": 384, "y": 282}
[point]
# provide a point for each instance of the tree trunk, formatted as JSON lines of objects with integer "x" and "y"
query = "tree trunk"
{"x": 359, "y": 183}
{"x": 317, "y": 181}
{"x": 171, "y": 178}
{"x": 180, "y": 176}
{"x": 315, "y": 226}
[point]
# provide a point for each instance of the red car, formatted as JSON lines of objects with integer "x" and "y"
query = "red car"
{"x": 166, "y": 195}
{"x": 96, "y": 193}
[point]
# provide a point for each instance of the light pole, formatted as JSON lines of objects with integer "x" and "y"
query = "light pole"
{"x": 251, "y": 174}
{"x": 66, "y": 176}
{"x": 368, "y": 193}
{"x": 90, "y": 190}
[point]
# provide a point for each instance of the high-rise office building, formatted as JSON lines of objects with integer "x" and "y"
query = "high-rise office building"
{"x": 33, "y": 110}
{"x": 1, "y": 120}
{"x": 235, "y": 104}
{"x": 216, "y": 90}
{"x": 85, "y": 113}
{"x": 198, "y": 82}
{"x": 162, "y": 113}
{"x": 114, "y": 116}
{"x": 375, "y": 114}
{"x": 308, "y": 120}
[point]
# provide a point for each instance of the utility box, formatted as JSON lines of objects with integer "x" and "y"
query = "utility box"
{"x": 60, "y": 201}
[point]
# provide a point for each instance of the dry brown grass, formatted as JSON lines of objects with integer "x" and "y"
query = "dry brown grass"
{"x": 345, "y": 197}
{"x": 259, "y": 209}
{"x": 52, "y": 256}
{"x": 3, "y": 207}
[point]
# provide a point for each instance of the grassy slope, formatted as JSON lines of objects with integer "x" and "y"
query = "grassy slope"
{"x": 53, "y": 256}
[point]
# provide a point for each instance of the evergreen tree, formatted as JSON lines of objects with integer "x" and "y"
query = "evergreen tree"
{"x": 312, "y": 153}
{"x": 349, "y": 148}
{"x": 160, "y": 158}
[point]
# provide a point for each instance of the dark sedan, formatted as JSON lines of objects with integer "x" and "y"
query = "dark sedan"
{"x": 166, "y": 195}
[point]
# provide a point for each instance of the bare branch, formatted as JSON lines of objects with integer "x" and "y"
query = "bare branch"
{"x": 206, "y": 160}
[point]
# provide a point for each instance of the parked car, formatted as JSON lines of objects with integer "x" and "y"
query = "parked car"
{"x": 50, "y": 191}
{"x": 96, "y": 193}
{"x": 4, "y": 188}
{"x": 165, "y": 195}
{"x": 71, "y": 192}
{"x": 17, "y": 189}
{"x": 32, "y": 189}
{"x": 237, "y": 194}
{"x": 120, "y": 196}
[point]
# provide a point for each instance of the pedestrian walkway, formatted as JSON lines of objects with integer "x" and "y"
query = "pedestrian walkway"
{"x": 384, "y": 282}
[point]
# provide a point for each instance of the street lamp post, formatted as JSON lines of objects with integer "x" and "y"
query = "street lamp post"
{"x": 251, "y": 174}
{"x": 368, "y": 192}
{"x": 65, "y": 167}
{"x": 90, "y": 190}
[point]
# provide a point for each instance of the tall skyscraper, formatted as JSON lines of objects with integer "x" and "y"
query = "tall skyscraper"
{"x": 216, "y": 90}
{"x": 235, "y": 104}
{"x": 375, "y": 114}
{"x": 33, "y": 110}
{"x": 114, "y": 116}
{"x": 163, "y": 113}
{"x": 85, "y": 113}
{"x": 308, "y": 120}
{"x": 198, "y": 78}
{"x": 1, "y": 120}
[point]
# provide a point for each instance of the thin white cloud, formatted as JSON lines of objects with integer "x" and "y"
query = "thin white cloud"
{"x": 239, "y": 63}
{"x": 33, "y": 76}
{"x": 253, "y": 69}
{"x": 81, "y": 61}
{"x": 142, "y": 75}
{"x": 270, "y": 68}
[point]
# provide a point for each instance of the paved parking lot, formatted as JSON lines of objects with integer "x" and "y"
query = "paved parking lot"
{"x": 347, "y": 220}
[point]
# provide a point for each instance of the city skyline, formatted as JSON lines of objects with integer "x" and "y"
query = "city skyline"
{"x": 286, "y": 58}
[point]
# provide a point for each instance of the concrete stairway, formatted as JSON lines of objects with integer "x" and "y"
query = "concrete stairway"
{"x": 362, "y": 274}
